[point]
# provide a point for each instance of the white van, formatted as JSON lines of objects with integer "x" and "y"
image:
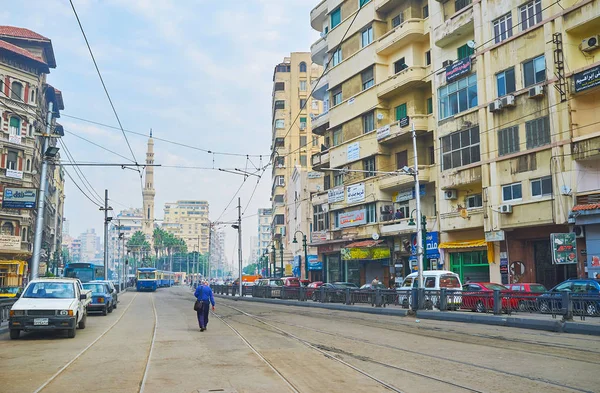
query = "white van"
{"x": 433, "y": 280}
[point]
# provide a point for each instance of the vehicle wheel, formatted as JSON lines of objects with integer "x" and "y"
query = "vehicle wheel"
{"x": 105, "y": 310}
{"x": 328, "y": 298}
{"x": 14, "y": 334}
{"x": 591, "y": 309}
{"x": 115, "y": 305}
{"x": 405, "y": 303}
{"x": 81, "y": 323}
{"x": 480, "y": 307}
{"x": 313, "y": 297}
{"x": 544, "y": 307}
{"x": 71, "y": 332}
{"x": 522, "y": 306}
{"x": 110, "y": 308}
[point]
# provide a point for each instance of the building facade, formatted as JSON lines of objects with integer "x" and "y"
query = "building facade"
{"x": 90, "y": 247}
{"x": 124, "y": 225}
{"x": 188, "y": 220}
{"x": 263, "y": 230}
{"x": 292, "y": 145}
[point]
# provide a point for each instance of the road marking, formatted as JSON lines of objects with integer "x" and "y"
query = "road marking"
{"x": 52, "y": 378}
{"x": 143, "y": 383}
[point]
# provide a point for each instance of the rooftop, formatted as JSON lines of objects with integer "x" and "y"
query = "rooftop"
{"x": 23, "y": 53}
{"x": 20, "y": 32}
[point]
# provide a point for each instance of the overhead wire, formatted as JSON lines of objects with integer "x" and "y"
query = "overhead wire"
{"x": 80, "y": 173}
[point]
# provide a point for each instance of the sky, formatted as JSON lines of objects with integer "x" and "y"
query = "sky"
{"x": 196, "y": 72}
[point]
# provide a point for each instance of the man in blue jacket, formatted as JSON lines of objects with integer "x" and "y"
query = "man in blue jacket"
{"x": 205, "y": 295}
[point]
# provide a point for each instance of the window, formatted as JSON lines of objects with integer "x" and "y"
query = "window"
{"x": 508, "y": 140}
{"x": 400, "y": 65}
{"x": 401, "y": 159}
{"x": 368, "y": 122}
{"x": 279, "y": 219}
{"x": 326, "y": 182}
{"x": 279, "y": 123}
{"x": 460, "y": 4}
{"x": 336, "y": 95}
{"x": 302, "y": 123}
{"x": 511, "y": 192}
{"x": 315, "y": 141}
{"x": 464, "y": 51}
{"x": 15, "y": 126}
{"x": 302, "y": 141}
{"x": 366, "y": 36}
{"x": 431, "y": 156}
{"x": 336, "y": 17}
{"x": 278, "y": 199}
{"x": 503, "y": 28}
{"x": 428, "y": 57}
{"x": 280, "y": 180}
{"x": 362, "y": 2}
{"x": 369, "y": 166}
{"x": 537, "y": 132}
{"x": 338, "y": 179}
{"x": 397, "y": 20}
{"x": 541, "y": 187}
{"x": 17, "y": 91}
{"x": 337, "y": 57}
{"x": 320, "y": 218}
{"x": 460, "y": 148}
{"x": 279, "y": 162}
{"x": 458, "y": 96}
{"x": 32, "y": 98}
{"x": 302, "y": 103}
{"x": 534, "y": 71}
{"x": 302, "y": 85}
{"x": 302, "y": 67}
{"x": 302, "y": 159}
{"x": 531, "y": 14}
{"x": 371, "y": 209}
{"x": 8, "y": 229}
{"x": 474, "y": 201}
{"x": 28, "y": 166}
{"x": 430, "y": 105}
{"x": 30, "y": 130}
{"x": 11, "y": 161}
{"x": 279, "y": 86}
{"x": 315, "y": 105}
{"x": 505, "y": 81}
{"x": 400, "y": 111}
{"x": 367, "y": 78}
{"x": 404, "y": 210}
{"x": 337, "y": 137}
{"x": 279, "y": 104}
{"x": 336, "y": 219}
{"x": 426, "y": 11}
{"x": 24, "y": 234}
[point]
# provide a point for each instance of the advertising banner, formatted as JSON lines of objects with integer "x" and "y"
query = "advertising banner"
{"x": 431, "y": 245}
{"x": 458, "y": 68}
{"x": 318, "y": 237}
{"x": 19, "y": 198}
{"x": 14, "y": 174}
{"x": 335, "y": 195}
{"x": 355, "y": 193}
{"x": 365, "y": 253}
{"x": 564, "y": 250}
{"x": 314, "y": 263}
{"x": 353, "y": 218}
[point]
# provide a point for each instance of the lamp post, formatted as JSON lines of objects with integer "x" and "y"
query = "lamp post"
{"x": 305, "y": 252}
{"x": 281, "y": 254}
{"x": 274, "y": 260}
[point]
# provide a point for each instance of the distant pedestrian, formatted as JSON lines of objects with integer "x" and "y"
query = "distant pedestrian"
{"x": 375, "y": 281}
{"x": 205, "y": 296}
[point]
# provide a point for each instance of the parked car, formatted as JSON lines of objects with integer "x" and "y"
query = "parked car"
{"x": 50, "y": 304}
{"x": 311, "y": 288}
{"x": 304, "y": 283}
{"x": 585, "y": 295}
{"x": 371, "y": 286}
{"x": 334, "y": 292}
{"x": 350, "y": 285}
{"x": 102, "y": 299}
{"x": 113, "y": 291}
{"x": 479, "y": 297}
{"x": 274, "y": 283}
{"x": 291, "y": 282}
{"x": 433, "y": 280}
{"x": 10, "y": 292}
{"x": 526, "y": 294}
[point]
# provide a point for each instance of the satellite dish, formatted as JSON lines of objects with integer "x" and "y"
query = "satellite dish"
{"x": 375, "y": 236}
{"x": 471, "y": 44}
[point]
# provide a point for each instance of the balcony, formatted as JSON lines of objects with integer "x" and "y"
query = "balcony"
{"x": 454, "y": 220}
{"x": 385, "y": 6}
{"x": 400, "y": 226}
{"x": 458, "y": 177}
{"x": 362, "y": 102}
{"x": 318, "y": 16}
{"x": 319, "y": 123}
{"x": 410, "y": 31}
{"x": 318, "y": 51}
{"x": 320, "y": 88}
{"x": 348, "y": 68}
{"x": 583, "y": 21}
{"x": 394, "y": 182}
{"x": 411, "y": 77}
{"x": 458, "y": 26}
{"x": 320, "y": 160}
{"x": 396, "y": 133}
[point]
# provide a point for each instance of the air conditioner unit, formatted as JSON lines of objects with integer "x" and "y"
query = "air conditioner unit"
{"x": 505, "y": 209}
{"x": 579, "y": 231}
{"x": 495, "y": 106}
{"x": 591, "y": 43}
{"x": 536, "y": 91}
{"x": 508, "y": 101}
{"x": 447, "y": 63}
{"x": 450, "y": 194}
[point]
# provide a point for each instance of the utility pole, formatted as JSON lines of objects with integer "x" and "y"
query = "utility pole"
{"x": 240, "y": 242}
{"x": 209, "y": 249}
{"x": 419, "y": 247}
{"x": 107, "y": 219}
{"x": 39, "y": 223}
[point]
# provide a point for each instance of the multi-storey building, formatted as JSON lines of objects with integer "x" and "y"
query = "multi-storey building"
{"x": 264, "y": 232}
{"x": 90, "y": 246}
{"x": 292, "y": 142}
{"x": 188, "y": 220}
{"x": 501, "y": 98}
{"x": 25, "y": 59}
{"x": 217, "y": 252}
{"x": 126, "y": 222}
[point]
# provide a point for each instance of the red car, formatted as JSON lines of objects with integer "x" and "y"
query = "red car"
{"x": 312, "y": 287}
{"x": 526, "y": 294}
{"x": 479, "y": 296}
{"x": 293, "y": 282}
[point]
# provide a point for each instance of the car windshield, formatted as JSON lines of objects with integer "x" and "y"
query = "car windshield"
{"x": 50, "y": 290}
{"x": 494, "y": 287}
{"x": 537, "y": 288}
{"x": 276, "y": 283}
{"x": 100, "y": 288}
{"x": 449, "y": 281}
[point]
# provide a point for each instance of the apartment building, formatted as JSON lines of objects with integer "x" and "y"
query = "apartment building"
{"x": 124, "y": 225}
{"x": 292, "y": 146}
{"x": 188, "y": 220}
{"x": 501, "y": 97}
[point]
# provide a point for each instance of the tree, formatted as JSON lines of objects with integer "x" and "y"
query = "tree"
{"x": 251, "y": 269}
{"x": 158, "y": 237}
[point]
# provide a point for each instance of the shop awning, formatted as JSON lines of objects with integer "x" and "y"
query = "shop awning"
{"x": 464, "y": 244}
{"x": 364, "y": 244}
{"x": 590, "y": 206}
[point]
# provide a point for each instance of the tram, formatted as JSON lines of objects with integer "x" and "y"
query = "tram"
{"x": 150, "y": 279}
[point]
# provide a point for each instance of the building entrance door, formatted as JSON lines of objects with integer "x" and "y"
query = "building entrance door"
{"x": 546, "y": 273}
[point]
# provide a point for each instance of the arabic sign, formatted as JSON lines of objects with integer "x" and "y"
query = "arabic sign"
{"x": 16, "y": 139}
{"x": 365, "y": 253}
{"x": 404, "y": 122}
{"x": 564, "y": 248}
{"x": 407, "y": 195}
{"x": 458, "y": 68}
{"x": 494, "y": 236}
{"x": 353, "y": 152}
{"x": 383, "y": 132}
{"x": 8, "y": 242}
{"x": 335, "y": 195}
{"x": 431, "y": 244}
{"x": 19, "y": 198}
{"x": 14, "y": 174}
{"x": 355, "y": 193}
{"x": 314, "y": 175}
{"x": 353, "y": 218}
{"x": 314, "y": 263}
{"x": 587, "y": 79}
{"x": 318, "y": 236}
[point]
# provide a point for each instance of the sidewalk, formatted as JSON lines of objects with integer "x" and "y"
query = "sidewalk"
{"x": 589, "y": 326}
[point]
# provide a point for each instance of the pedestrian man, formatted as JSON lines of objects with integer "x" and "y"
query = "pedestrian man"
{"x": 205, "y": 296}
{"x": 375, "y": 281}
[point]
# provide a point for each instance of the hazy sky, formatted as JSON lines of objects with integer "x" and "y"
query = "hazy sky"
{"x": 198, "y": 72}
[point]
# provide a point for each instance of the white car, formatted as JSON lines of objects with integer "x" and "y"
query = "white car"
{"x": 50, "y": 304}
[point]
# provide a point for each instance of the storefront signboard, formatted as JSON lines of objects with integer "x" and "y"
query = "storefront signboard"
{"x": 8, "y": 242}
{"x": 315, "y": 175}
{"x": 353, "y": 151}
{"x": 587, "y": 79}
{"x": 494, "y": 236}
{"x": 14, "y": 174}
{"x": 19, "y": 198}
{"x": 407, "y": 195}
{"x": 314, "y": 263}
{"x": 458, "y": 68}
{"x": 564, "y": 249}
{"x": 383, "y": 132}
{"x": 353, "y": 218}
{"x": 431, "y": 243}
{"x": 355, "y": 193}
{"x": 318, "y": 237}
{"x": 335, "y": 195}
{"x": 365, "y": 253}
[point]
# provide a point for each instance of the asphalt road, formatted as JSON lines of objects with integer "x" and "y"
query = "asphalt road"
{"x": 152, "y": 343}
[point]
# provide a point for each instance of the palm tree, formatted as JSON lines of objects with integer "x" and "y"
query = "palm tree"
{"x": 158, "y": 238}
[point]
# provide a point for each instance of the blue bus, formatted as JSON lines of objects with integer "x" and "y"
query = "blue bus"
{"x": 85, "y": 272}
{"x": 150, "y": 279}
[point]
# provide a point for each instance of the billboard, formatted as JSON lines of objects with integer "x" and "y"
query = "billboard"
{"x": 19, "y": 198}
{"x": 564, "y": 249}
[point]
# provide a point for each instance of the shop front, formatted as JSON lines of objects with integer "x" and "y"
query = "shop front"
{"x": 469, "y": 259}
{"x": 315, "y": 268}
{"x": 365, "y": 260}
{"x": 588, "y": 229}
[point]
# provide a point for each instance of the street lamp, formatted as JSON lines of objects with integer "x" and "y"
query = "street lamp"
{"x": 274, "y": 259}
{"x": 281, "y": 253}
{"x": 305, "y": 252}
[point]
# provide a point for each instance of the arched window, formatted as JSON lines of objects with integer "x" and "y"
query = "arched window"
{"x": 30, "y": 130}
{"x": 303, "y": 67}
{"x": 32, "y": 96}
{"x": 24, "y": 234}
{"x": 17, "y": 91}
{"x": 8, "y": 229}
{"x": 28, "y": 165}
{"x": 15, "y": 126}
